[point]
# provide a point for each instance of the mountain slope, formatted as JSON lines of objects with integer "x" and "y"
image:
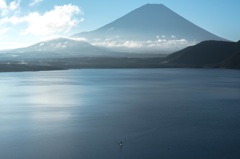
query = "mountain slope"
{"x": 205, "y": 54}
{"x": 233, "y": 61}
{"x": 151, "y": 22}
{"x": 64, "y": 46}
{"x": 58, "y": 48}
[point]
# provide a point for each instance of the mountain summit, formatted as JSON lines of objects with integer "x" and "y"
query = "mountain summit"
{"x": 151, "y": 24}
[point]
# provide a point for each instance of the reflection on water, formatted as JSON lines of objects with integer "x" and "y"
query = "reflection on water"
{"x": 156, "y": 113}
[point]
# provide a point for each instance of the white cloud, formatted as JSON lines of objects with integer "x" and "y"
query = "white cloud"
{"x": 3, "y": 4}
{"x": 12, "y": 45}
{"x": 35, "y": 2}
{"x": 4, "y": 30}
{"x": 14, "y": 5}
{"x": 60, "y": 19}
{"x": 79, "y": 39}
{"x": 5, "y": 8}
{"x": 12, "y": 20}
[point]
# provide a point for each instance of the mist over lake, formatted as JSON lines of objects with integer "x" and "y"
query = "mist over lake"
{"x": 85, "y": 114}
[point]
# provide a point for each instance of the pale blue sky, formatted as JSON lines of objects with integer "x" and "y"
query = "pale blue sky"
{"x": 24, "y": 22}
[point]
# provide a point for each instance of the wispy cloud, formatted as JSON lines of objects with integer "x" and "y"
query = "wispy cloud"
{"x": 35, "y": 2}
{"x": 48, "y": 38}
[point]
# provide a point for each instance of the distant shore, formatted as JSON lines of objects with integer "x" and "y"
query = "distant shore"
{"x": 91, "y": 63}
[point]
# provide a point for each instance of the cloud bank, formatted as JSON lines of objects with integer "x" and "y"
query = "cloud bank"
{"x": 158, "y": 44}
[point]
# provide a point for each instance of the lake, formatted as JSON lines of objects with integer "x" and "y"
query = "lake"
{"x": 85, "y": 114}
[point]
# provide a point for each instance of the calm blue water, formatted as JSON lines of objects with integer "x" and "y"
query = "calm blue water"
{"x": 84, "y": 114}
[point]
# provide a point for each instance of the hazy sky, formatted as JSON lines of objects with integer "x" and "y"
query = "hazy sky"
{"x": 25, "y": 22}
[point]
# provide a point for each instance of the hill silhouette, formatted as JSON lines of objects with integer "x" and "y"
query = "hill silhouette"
{"x": 207, "y": 54}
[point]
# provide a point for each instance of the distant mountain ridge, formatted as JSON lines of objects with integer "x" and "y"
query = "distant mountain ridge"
{"x": 60, "y": 48}
{"x": 66, "y": 48}
{"x": 59, "y": 44}
{"x": 149, "y": 23}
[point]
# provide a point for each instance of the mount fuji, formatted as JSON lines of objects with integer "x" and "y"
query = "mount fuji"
{"x": 150, "y": 27}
